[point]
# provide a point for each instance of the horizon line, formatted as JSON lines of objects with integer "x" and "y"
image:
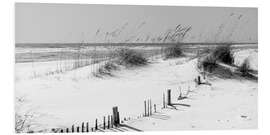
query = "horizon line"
{"x": 136, "y": 43}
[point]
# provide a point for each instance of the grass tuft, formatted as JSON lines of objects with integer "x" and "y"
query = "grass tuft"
{"x": 106, "y": 70}
{"x": 130, "y": 57}
{"x": 245, "y": 68}
{"x": 174, "y": 52}
{"x": 224, "y": 54}
{"x": 208, "y": 63}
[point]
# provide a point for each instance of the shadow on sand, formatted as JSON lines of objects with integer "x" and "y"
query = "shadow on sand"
{"x": 226, "y": 73}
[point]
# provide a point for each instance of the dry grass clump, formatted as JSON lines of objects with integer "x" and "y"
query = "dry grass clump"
{"x": 24, "y": 118}
{"x": 245, "y": 68}
{"x": 130, "y": 57}
{"x": 173, "y": 52}
{"x": 224, "y": 54}
{"x": 208, "y": 63}
{"x": 124, "y": 57}
{"x": 220, "y": 53}
{"x": 106, "y": 70}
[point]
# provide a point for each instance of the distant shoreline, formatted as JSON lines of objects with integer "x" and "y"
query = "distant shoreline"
{"x": 63, "y": 45}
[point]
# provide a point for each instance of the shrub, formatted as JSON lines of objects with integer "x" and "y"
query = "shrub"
{"x": 208, "y": 63}
{"x": 106, "y": 69}
{"x": 224, "y": 54}
{"x": 173, "y": 52}
{"x": 109, "y": 66}
{"x": 129, "y": 57}
{"x": 245, "y": 67}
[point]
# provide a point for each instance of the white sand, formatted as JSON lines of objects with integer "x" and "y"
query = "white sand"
{"x": 76, "y": 96}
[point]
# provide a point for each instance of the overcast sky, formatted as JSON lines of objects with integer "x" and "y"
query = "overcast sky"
{"x": 50, "y": 23}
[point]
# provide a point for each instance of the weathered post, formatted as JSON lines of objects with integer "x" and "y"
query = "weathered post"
{"x": 116, "y": 116}
{"x": 96, "y": 124}
{"x": 61, "y": 131}
{"x": 145, "y": 108}
{"x": 72, "y": 129}
{"x": 104, "y": 123}
{"x": 164, "y": 104}
{"x": 199, "y": 80}
{"x": 155, "y": 108}
{"x": 112, "y": 121}
{"x": 78, "y": 129}
{"x": 150, "y": 107}
{"x": 169, "y": 97}
{"x": 67, "y": 130}
{"x": 109, "y": 121}
{"x": 87, "y": 126}
{"x": 83, "y": 127}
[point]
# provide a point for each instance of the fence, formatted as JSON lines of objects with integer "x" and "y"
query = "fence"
{"x": 114, "y": 121}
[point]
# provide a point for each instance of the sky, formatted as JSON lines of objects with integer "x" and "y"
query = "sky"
{"x": 73, "y": 23}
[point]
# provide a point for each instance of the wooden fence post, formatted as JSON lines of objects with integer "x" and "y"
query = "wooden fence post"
{"x": 164, "y": 105}
{"x": 87, "y": 127}
{"x": 78, "y": 129}
{"x": 67, "y": 130}
{"x": 109, "y": 121}
{"x": 83, "y": 127}
{"x": 61, "y": 131}
{"x": 116, "y": 116}
{"x": 145, "y": 108}
{"x": 104, "y": 123}
{"x": 155, "y": 108}
{"x": 112, "y": 121}
{"x": 169, "y": 97}
{"x": 96, "y": 124}
{"x": 150, "y": 107}
{"x": 72, "y": 129}
{"x": 199, "y": 80}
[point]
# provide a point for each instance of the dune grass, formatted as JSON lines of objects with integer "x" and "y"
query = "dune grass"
{"x": 131, "y": 57}
{"x": 174, "y": 52}
{"x": 224, "y": 54}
